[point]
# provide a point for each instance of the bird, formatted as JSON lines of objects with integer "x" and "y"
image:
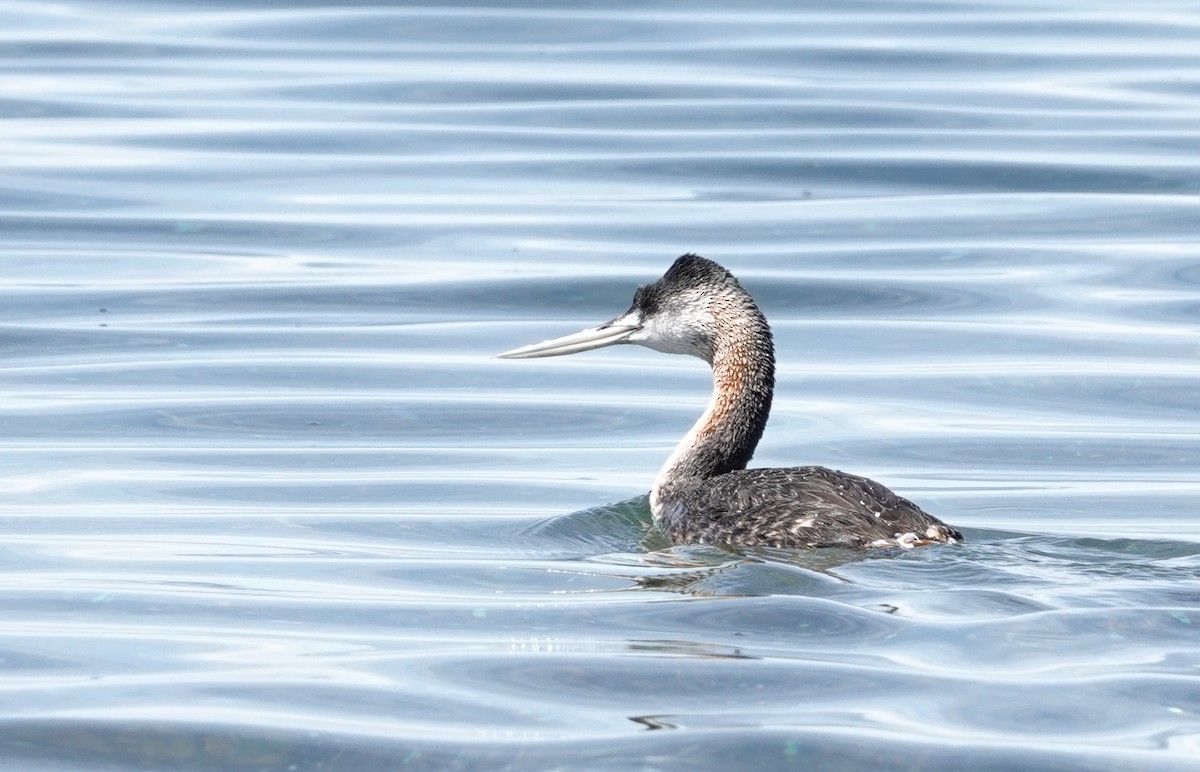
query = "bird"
{"x": 704, "y": 493}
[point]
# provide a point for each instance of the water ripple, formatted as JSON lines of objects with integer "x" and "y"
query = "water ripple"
{"x": 270, "y": 502}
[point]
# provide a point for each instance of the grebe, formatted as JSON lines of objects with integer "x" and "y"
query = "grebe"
{"x": 704, "y": 493}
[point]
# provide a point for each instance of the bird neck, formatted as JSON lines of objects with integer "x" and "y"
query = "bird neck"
{"x": 725, "y": 436}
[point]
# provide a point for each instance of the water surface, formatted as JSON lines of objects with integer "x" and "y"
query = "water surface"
{"x": 267, "y": 501}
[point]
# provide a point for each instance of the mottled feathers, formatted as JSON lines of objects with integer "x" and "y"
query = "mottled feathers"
{"x": 799, "y": 507}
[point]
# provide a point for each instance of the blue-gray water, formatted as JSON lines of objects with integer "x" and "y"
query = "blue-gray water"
{"x": 268, "y": 502}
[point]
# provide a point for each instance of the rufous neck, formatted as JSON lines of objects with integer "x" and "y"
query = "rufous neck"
{"x": 725, "y": 436}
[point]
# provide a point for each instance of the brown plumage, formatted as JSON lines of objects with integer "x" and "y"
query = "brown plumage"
{"x": 798, "y": 507}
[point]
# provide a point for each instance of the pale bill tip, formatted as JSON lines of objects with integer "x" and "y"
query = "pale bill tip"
{"x": 585, "y": 340}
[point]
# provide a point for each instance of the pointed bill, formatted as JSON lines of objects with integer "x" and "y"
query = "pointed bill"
{"x": 585, "y": 340}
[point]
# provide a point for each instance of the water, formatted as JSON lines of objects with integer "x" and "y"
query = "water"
{"x": 267, "y": 501}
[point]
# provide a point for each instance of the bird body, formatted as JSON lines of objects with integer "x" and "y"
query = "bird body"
{"x": 796, "y": 507}
{"x": 704, "y": 493}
